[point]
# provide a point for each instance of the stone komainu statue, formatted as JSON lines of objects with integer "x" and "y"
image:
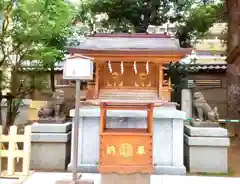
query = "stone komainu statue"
{"x": 203, "y": 111}
{"x": 53, "y": 108}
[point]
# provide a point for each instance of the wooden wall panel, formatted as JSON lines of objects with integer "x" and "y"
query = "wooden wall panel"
{"x": 128, "y": 153}
{"x": 128, "y": 78}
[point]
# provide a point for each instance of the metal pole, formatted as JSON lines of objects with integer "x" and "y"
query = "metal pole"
{"x": 76, "y": 130}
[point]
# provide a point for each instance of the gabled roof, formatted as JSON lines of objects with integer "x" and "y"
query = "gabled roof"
{"x": 130, "y": 42}
{"x": 78, "y": 56}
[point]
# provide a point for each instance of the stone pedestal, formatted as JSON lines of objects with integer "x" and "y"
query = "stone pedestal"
{"x": 167, "y": 137}
{"x": 206, "y": 149}
{"x": 137, "y": 178}
{"x": 51, "y": 120}
{"x": 186, "y": 102}
{"x": 50, "y": 146}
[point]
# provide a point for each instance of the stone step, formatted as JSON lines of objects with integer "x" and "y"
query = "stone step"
{"x": 137, "y": 96}
{"x": 128, "y": 94}
{"x": 129, "y": 97}
{"x": 129, "y": 90}
{"x": 134, "y": 95}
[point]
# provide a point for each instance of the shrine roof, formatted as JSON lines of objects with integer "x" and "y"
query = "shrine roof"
{"x": 129, "y": 42}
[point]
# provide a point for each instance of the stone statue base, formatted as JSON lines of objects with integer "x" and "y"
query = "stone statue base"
{"x": 52, "y": 120}
{"x": 206, "y": 149}
{"x": 196, "y": 123}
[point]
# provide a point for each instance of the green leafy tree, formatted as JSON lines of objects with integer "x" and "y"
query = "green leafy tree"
{"x": 193, "y": 18}
{"x": 199, "y": 19}
{"x": 31, "y": 31}
{"x": 134, "y": 14}
{"x": 60, "y": 14}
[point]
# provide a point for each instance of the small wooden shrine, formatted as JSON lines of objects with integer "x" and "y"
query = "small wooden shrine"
{"x": 130, "y": 66}
{"x": 130, "y": 77}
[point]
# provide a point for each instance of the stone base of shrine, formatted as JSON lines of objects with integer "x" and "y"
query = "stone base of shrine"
{"x": 170, "y": 170}
{"x": 85, "y": 168}
{"x": 125, "y": 178}
{"x": 166, "y": 170}
{"x": 206, "y": 149}
{"x": 167, "y": 137}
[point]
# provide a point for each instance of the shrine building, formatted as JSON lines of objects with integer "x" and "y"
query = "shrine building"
{"x": 130, "y": 66}
{"x": 130, "y": 124}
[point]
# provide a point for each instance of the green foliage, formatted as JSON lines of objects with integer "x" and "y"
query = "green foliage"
{"x": 200, "y": 19}
{"x": 178, "y": 72}
{"x": 34, "y": 31}
{"x": 193, "y": 18}
{"x": 133, "y": 14}
{"x": 37, "y": 30}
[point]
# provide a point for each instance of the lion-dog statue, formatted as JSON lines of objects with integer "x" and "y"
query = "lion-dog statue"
{"x": 203, "y": 110}
{"x": 54, "y": 108}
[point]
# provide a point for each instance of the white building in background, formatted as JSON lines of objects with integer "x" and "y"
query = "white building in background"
{"x": 208, "y": 51}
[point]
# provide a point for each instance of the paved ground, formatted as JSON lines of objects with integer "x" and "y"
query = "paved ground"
{"x": 7, "y": 181}
{"x": 50, "y": 178}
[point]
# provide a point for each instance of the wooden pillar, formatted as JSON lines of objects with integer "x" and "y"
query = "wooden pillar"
{"x": 103, "y": 117}
{"x": 97, "y": 71}
{"x": 150, "y": 118}
{"x": 160, "y": 82}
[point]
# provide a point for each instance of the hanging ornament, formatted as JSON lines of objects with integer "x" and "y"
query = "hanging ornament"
{"x": 147, "y": 67}
{"x": 109, "y": 67}
{"x": 135, "y": 67}
{"x": 122, "y": 68}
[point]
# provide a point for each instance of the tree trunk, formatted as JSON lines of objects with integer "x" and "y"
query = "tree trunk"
{"x": 52, "y": 78}
{"x": 10, "y": 96}
{"x": 1, "y": 97}
{"x": 33, "y": 87}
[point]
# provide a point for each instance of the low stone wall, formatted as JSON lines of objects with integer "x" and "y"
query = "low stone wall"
{"x": 51, "y": 146}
